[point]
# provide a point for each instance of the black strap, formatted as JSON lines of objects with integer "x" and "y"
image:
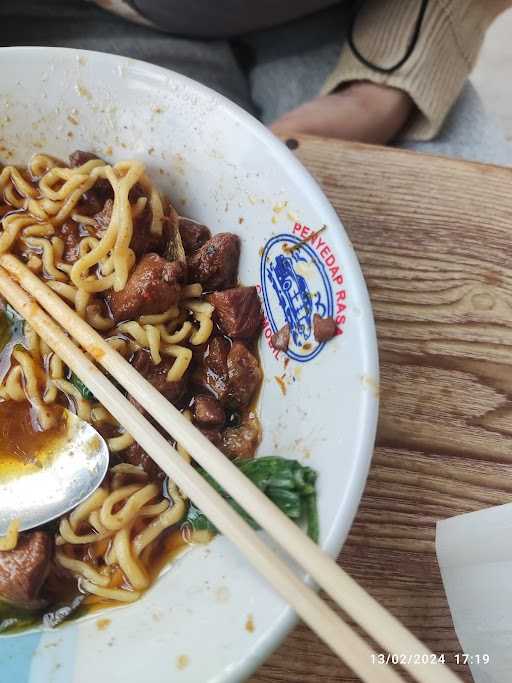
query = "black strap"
{"x": 409, "y": 51}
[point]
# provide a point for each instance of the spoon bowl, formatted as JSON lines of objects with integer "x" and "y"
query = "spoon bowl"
{"x": 73, "y": 468}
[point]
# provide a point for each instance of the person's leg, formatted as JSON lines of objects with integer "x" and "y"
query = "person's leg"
{"x": 291, "y": 63}
{"x": 79, "y": 24}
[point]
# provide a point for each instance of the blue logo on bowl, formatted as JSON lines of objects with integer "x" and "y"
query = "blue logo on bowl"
{"x": 295, "y": 286}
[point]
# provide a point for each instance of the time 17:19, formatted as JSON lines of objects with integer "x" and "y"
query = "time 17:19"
{"x": 465, "y": 658}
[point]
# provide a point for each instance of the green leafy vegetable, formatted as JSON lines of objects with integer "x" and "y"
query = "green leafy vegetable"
{"x": 290, "y": 485}
{"x": 77, "y": 382}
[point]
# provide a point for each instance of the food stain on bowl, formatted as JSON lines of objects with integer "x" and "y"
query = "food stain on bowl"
{"x": 371, "y": 384}
{"x": 103, "y": 624}
{"x": 222, "y": 594}
{"x": 182, "y": 662}
{"x": 249, "y": 624}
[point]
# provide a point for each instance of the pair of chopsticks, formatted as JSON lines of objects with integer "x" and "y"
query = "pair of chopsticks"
{"x": 15, "y": 281}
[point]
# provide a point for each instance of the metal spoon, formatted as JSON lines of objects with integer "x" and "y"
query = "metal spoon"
{"x": 74, "y": 468}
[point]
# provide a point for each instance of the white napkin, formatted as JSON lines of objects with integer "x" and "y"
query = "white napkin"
{"x": 474, "y": 552}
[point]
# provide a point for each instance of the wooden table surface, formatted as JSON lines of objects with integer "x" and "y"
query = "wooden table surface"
{"x": 433, "y": 238}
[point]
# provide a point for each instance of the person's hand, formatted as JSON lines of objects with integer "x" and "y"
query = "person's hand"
{"x": 361, "y": 111}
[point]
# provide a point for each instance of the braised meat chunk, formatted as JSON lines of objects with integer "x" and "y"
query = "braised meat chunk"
{"x": 244, "y": 375}
{"x": 215, "y": 264}
{"x": 193, "y": 235}
{"x": 242, "y": 441}
{"x": 237, "y": 311}
{"x": 135, "y": 455}
{"x": 92, "y": 201}
{"x": 323, "y": 328}
{"x": 230, "y": 372}
{"x": 175, "y": 392}
{"x": 213, "y": 375}
{"x": 208, "y": 412}
{"x": 143, "y": 240}
{"x": 102, "y": 219}
{"x": 216, "y": 356}
{"x": 70, "y": 235}
{"x": 213, "y": 434}
{"x": 280, "y": 340}
{"x": 24, "y": 569}
{"x": 153, "y": 287}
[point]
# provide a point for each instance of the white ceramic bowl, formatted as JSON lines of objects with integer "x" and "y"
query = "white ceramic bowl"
{"x": 223, "y": 168}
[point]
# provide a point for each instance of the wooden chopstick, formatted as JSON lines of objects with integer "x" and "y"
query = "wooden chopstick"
{"x": 340, "y": 638}
{"x": 379, "y": 623}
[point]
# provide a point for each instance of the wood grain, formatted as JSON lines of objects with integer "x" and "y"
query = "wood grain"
{"x": 433, "y": 237}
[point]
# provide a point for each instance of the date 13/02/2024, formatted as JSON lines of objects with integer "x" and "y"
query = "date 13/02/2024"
{"x": 421, "y": 658}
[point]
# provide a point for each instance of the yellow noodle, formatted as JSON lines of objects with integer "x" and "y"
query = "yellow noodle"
{"x": 14, "y": 389}
{"x": 165, "y": 520}
{"x": 132, "y": 568}
{"x": 69, "y": 536}
{"x": 32, "y": 339}
{"x": 155, "y": 202}
{"x": 136, "y": 331}
{"x": 135, "y": 497}
{"x": 80, "y": 568}
{"x": 40, "y": 164}
{"x": 63, "y": 290}
{"x": 87, "y": 244}
{"x": 38, "y": 230}
{"x": 139, "y": 206}
{"x": 55, "y": 371}
{"x": 121, "y": 345}
{"x": 159, "y": 318}
{"x": 178, "y": 336}
{"x": 98, "y": 321}
{"x": 153, "y": 510}
{"x": 9, "y": 540}
{"x": 11, "y": 173}
{"x": 12, "y": 197}
{"x": 118, "y": 234}
{"x": 45, "y": 417}
{"x": 107, "y": 265}
{"x": 153, "y": 339}
{"x": 81, "y": 302}
{"x": 199, "y": 306}
{"x": 12, "y": 224}
{"x": 192, "y": 291}
{"x": 120, "y": 443}
{"x": 94, "y": 521}
{"x": 117, "y": 594}
{"x": 82, "y": 512}
{"x": 84, "y": 220}
{"x": 183, "y": 357}
{"x": 34, "y": 264}
{"x": 46, "y": 249}
{"x": 83, "y": 407}
{"x": 100, "y": 415}
{"x": 58, "y": 248}
{"x": 202, "y": 334}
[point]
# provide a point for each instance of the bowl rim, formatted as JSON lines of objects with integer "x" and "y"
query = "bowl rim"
{"x": 345, "y": 514}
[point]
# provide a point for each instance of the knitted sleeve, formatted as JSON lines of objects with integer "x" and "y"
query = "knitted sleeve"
{"x": 450, "y": 39}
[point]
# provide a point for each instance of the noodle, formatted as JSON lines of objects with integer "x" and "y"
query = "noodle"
{"x": 183, "y": 357}
{"x": 106, "y": 544}
{"x": 10, "y": 539}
